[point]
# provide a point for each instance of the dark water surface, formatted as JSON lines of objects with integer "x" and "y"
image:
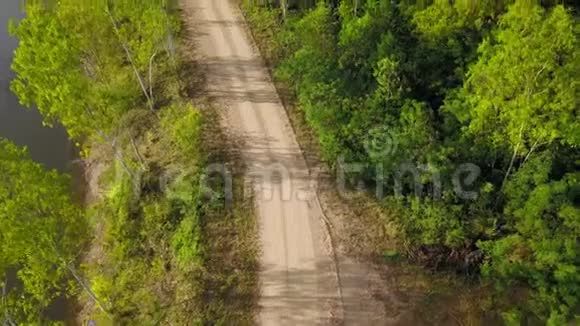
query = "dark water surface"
{"x": 48, "y": 146}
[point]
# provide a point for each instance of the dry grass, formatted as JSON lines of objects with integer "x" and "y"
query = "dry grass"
{"x": 230, "y": 287}
{"x": 230, "y": 282}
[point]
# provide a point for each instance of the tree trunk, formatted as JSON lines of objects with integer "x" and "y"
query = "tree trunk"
{"x": 514, "y": 156}
{"x": 130, "y": 58}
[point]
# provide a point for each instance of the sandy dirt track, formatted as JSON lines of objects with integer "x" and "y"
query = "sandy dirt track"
{"x": 300, "y": 284}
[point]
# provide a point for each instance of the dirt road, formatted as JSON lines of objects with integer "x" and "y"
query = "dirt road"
{"x": 300, "y": 282}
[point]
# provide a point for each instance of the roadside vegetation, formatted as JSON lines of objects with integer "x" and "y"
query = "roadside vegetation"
{"x": 116, "y": 76}
{"x": 464, "y": 116}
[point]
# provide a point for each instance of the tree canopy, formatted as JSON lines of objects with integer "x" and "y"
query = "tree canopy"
{"x": 42, "y": 235}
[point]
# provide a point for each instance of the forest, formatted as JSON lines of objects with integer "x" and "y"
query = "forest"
{"x": 432, "y": 96}
{"x": 463, "y": 116}
{"x": 136, "y": 250}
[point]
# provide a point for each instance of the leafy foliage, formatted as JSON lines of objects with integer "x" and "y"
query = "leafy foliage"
{"x": 535, "y": 101}
{"x": 84, "y": 82}
{"x": 541, "y": 243}
{"x": 41, "y": 238}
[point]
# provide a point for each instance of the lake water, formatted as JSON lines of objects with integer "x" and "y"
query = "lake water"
{"x": 48, "y": 146}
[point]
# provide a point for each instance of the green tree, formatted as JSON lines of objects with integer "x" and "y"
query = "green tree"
{"x": 42, "y": 234}
{"x": 88, "y": 83}
{"x": 541, "y": 247}
{"x": 525, "y": 83}
{"x": 48, "y": 68}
